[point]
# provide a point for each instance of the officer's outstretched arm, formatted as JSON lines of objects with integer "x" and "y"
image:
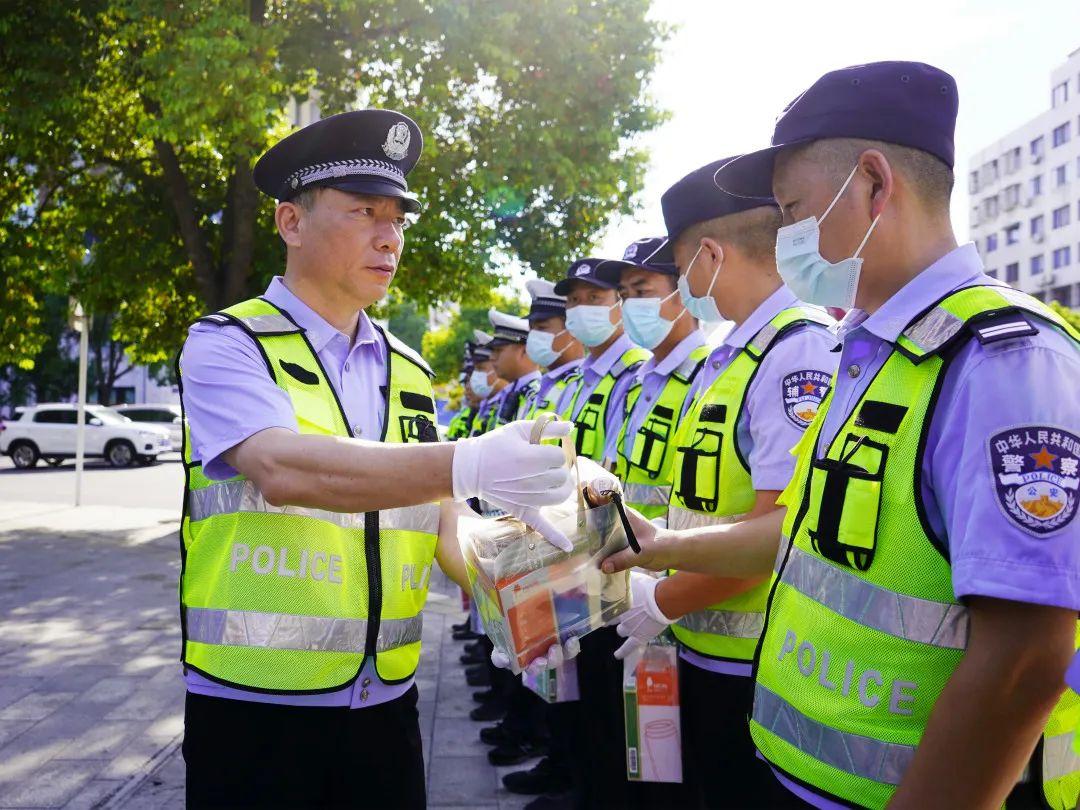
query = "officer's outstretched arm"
{"x": 350, "y": 475}
{"x": 739, "y": 550}
{"x": 988, "y": 718}
{"x": 448, "y": 550}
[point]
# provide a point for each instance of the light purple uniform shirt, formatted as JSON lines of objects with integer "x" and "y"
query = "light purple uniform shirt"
{"x": 653, "y": 376}
{"x": 229, "y": 395}
{"x": 548, "y": 380}
{"x": 1021, "y": 385}
{"x": 766, "y": 430}
{"x": 517, "y": 385}
{"x": 594, "y": 369}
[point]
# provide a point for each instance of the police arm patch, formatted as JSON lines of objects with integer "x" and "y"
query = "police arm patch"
{"x": 802, "y": 392}
{"x": 1035, "y": 476}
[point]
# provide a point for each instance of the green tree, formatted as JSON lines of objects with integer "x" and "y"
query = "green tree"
{"x": 443, "y": 347}
{"x": 1070, "y": 315}
{"x": 130, "y": 127}
{"x": 407, "y": 322}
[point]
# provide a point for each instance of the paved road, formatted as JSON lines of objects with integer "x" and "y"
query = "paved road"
{"x": 158, "y": 487}
{"x": 90, "y": 690}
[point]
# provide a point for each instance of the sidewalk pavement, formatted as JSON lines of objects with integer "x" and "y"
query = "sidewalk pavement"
{"x": 91, "y": 699}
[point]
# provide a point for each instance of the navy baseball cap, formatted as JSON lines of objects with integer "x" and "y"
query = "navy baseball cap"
{"x": 904, "y": 103}
{"x": 588, "y": 270}
{"x": 640, "y": 254}
{"x": 362, "y": 152}
{"x": 695, "y": 198}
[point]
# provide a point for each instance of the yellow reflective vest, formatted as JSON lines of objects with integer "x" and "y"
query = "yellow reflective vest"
{"x": 288, "y": 599}
{"x": 863, "y": 630}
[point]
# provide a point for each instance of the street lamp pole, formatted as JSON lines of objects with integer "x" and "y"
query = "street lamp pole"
{"x": 81, "y": 323}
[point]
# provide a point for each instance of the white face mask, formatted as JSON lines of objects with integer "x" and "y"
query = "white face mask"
{"x": 810, "y": 276}
{"x": 478, "y": 382}
{"x": 702, "y": 307}
{"x": 540, "y": 347}
{"x": 643, "y": 322}
{"x": 591, "y": 323}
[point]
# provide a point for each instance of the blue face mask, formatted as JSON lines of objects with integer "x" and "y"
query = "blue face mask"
{"x": 810, "y": 276}
{"x": 643, "y": 322}
{"x": 540, "y": 347}
{"x": 590, "y": 323}
{"x": 701, "y": 307}
{"x": 478, "y": 382}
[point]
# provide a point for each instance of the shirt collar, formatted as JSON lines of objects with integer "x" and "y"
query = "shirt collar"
{"x": 524, "y": 380}
{"x": 602, "y": 365}
{"x": 768, "y": 309}
{"x": 558, "y": 371}
{"x": 958, "y": 268}
{"x": 318, "y": 331}
{"x": 675, "y": 359}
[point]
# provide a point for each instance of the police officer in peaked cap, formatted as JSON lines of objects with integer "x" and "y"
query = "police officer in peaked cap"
{"x": 318, "y": 496}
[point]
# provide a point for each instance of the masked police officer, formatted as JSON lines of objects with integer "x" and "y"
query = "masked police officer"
{"x": 923, "y": 611}
{"x": 654, "y": 319}
{"x": 461, "y": 424}
{"x": 753, "y": 399}
{"x": 311, "y": 517}
{"x": 486, "y": 383}
{"x": 513, "y": 364}
{"x": 552, "y": 347}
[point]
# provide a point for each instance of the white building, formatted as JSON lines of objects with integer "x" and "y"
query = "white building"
{"x": 1025, "y": 197}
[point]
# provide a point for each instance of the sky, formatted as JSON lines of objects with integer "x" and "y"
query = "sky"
{"x": 730, "y": 67}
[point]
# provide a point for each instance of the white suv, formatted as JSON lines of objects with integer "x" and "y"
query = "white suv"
{"x": 166, "y": 416}
{"x": 48, "y": 432}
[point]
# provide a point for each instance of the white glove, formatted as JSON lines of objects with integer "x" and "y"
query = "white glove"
{"x": 503, "y": 468}
{"x": 644, "y": 621}
{"x": 556, "y": 655}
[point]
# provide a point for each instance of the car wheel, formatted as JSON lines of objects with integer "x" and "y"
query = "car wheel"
{"x": 120, "y": 454}
{"x": 54, "y": 462}
{"x": 24, "y": 454}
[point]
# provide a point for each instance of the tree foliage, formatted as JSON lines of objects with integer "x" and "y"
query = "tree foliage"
{"x": 443, "y": 347}
{"x": 130, "y": 127}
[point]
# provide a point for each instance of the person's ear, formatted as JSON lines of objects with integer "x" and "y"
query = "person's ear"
{"x": 711, "y": 253}
{"x": 287, "y": 217}
{"x": 875, "y": 166}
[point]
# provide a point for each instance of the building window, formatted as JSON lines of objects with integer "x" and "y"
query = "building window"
{"x": 989, "y": 172}
{"x": 1063, "y": 295}
{"x": 1061, "y": 217}
{"x": 1061, "y": 134}
{"x": 1037, "y": 149}
{"x": 1060, "y": 94}
{"x": 976, "y": 216}
{"x": 973, "y": 183}
{"x": 991, "y": 243}
{"x": 1036, "y": 185}
{"x": 1037, "y": 264}
{"x": 1012, "y": 160}
{"x": 992, "y": 273}
{"x": 1061, "y": 176}
{"x": 1062, "y": 257}
{"x": 1037, "y": 227}
{"x": 1012, "y": 272}
{"x": 1012, "y": 196}
{"x": 1012, "y": 234}
{"x": 990, "y": 207}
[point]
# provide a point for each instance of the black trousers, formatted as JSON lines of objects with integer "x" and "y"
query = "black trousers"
{"x": 721, "y": 766}
{"x": 245, "y": 754}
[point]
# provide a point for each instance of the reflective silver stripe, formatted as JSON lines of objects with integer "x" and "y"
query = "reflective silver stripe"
{"x": 680, "y": 518}
{"x": 862, "y": 756}
{"x": 730, "y": 623}
{"x": 283, "y": 631}
{"x": 1059, "y": 758}
{"x": 760, "y": 342}
{"x": 687, "y": 366}
{"x": 227, "y": 497}
{"x": 647, "y": 494}
{"x": 270, "y": 323}
{"x": 933, "y": 329}
{"x": 940, "y": 624}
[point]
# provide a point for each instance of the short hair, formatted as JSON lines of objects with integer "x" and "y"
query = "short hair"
{"x": 752, "y": 232}
{"x": 929, "y": 177}
{"x": 306, "y": 198}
